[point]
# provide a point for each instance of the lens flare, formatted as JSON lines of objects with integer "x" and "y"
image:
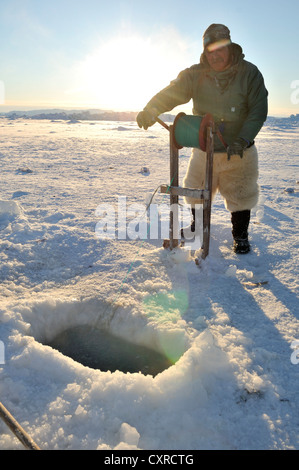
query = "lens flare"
{"x": 167, "y": 310}
{"x": 218, "y": 45}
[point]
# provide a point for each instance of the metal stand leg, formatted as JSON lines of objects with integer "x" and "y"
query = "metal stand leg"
{"x": 208, "y": 198}
{"x": 174, "y": 199}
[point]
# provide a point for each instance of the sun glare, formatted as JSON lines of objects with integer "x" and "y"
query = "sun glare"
{"x": 125, "y": 72}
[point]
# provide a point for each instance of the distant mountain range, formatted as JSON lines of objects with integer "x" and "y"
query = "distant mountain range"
{"x": 108, "y": 115}
{"x": 78, "y": 115}
{"x": 66, "y": 115}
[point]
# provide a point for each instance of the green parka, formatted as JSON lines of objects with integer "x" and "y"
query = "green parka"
{"x": 237, "y": 97}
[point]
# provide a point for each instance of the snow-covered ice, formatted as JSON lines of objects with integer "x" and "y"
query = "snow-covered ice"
{"x": 230, "y": 326}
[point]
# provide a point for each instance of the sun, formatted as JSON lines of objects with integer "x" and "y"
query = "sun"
{"x": 124, "y": 72}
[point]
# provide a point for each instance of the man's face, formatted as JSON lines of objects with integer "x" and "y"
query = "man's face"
{"x": 218, "y": 59}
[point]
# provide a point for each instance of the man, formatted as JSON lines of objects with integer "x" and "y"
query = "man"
{"x": 233, "y": 91}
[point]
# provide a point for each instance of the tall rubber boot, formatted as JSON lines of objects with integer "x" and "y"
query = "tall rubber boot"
{"x": 240, "y": 223}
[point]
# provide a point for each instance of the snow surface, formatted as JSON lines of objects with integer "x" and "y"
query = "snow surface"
{"x": 231, "y": 322}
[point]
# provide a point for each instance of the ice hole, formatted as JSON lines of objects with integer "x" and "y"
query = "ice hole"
{"x": 103, "y": 336}
{"x": 99, "y": 349}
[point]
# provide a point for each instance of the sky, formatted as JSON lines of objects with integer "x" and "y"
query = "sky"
{"x": 116, "y": 54}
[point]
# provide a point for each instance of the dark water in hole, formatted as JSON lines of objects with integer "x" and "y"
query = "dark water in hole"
{"x": 101, "y": 350}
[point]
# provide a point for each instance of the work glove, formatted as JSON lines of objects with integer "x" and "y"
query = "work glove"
{"x": 237, "y": 147}
{"x": 146, "y": 118}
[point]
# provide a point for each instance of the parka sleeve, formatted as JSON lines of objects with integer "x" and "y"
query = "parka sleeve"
{"x": 257, "y": 106}
{"x": 178, "y": 92}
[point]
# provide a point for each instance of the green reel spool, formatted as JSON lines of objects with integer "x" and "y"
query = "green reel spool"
{"x": 190, "y": 131}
